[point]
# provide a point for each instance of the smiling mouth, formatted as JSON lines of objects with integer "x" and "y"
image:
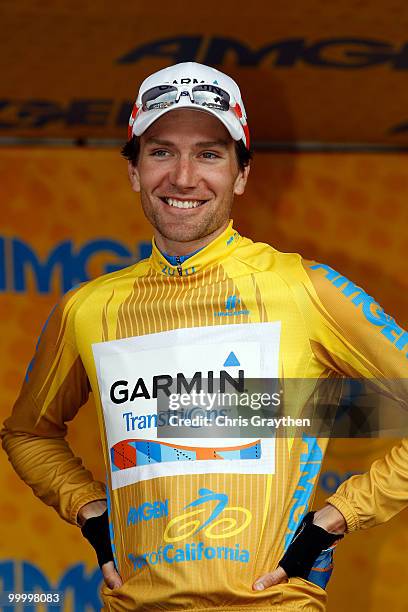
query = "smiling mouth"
{"x": 183, "y": 203}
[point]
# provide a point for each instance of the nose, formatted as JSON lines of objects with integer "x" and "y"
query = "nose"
{"x": 183, "y": 174}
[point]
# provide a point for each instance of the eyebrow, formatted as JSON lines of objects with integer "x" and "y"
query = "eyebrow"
{"x": 213, "y": 143}
{"x": 159, "y": 141}
{"x": 204, "y": 144}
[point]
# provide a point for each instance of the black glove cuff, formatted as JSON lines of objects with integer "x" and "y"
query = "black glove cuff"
{"x": 308, "y": 542}
{"x": 96, "y": 531}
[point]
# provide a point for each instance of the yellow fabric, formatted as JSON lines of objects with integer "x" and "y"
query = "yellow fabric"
{"x": 322, "y": 332}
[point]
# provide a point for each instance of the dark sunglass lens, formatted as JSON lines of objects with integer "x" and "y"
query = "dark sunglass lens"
{"x": 159, "y": 97}
{"x": 211, "y": 96}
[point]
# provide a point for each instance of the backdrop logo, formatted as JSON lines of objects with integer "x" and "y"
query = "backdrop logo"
{"x": 21, "y": 266}
{"x": 330, "y": 481}
{"x": 341, "y": 53}
{"x": 23, "y": 577}
{"x": 35, "y": 113}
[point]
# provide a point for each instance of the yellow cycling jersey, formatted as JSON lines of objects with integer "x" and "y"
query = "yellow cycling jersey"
{"x": 193, "y": 521}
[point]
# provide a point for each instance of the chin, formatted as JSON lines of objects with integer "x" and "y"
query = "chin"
{"x": 181, "y": 234}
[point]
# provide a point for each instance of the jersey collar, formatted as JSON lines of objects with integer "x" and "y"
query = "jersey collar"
{"x": 219, "y": 248}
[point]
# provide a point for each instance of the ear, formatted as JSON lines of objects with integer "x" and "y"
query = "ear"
{"x": 241, "y": 180}
{"x": 134, "y": 177}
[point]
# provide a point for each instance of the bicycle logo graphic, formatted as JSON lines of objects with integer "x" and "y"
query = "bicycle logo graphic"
{"x": 185, "y": 525}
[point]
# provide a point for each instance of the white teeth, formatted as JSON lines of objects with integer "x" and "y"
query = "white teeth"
{"x": 183, "y": 203}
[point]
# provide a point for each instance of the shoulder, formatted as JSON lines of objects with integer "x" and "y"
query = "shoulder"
{"x": 99, "y": 290}
{"x": 335, "y": 289}
{"x": 296, "y": 271}
{"x": 263, "y": 257}
{"x": 351, "y": 306}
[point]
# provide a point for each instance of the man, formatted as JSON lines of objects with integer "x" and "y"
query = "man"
{"x": 202, "y": 524}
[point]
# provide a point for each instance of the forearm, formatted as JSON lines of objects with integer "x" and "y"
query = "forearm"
{"x": 55, "y": 475}
{"x": 330, "y": 519}
{"x": 90, "y": 510}
{"x": 372, "y": 498}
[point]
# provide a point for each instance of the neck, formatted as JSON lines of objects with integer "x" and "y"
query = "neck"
{"x": 173, "y": 247}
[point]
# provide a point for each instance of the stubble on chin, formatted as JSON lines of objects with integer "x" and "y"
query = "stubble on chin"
{"x": 188, "y": 231}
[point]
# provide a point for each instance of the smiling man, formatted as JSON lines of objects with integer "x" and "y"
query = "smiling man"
{"x": 203, "y": 524}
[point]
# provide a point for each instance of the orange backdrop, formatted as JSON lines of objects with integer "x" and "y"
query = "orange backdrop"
{"x": 70, "y": 213}
{"x": 311, "y": 71}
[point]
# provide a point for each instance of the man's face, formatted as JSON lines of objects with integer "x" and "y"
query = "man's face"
{"x": 187, "y": 175}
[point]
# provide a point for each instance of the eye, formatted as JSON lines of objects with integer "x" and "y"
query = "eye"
{"x": 210, "y": 155}
{"x": 159, "y": 153}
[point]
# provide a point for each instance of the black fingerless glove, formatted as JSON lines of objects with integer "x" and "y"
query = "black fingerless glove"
{"x": 96, "y": 531}
{"x": 307, "y": 544}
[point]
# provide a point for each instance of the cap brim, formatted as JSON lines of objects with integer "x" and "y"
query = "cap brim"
{"x": 146, "y": 119}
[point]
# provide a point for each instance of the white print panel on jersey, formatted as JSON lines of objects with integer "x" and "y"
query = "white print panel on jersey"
{"x": 136, "y": 453}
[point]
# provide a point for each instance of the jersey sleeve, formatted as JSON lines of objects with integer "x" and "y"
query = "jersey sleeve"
{"x": 55, "y": 387}
{"x": 351, "y": 334}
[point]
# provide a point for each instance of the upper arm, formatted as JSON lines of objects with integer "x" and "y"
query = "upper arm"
{"x": 350, "y": 331}
{"x": 56, "y": 384}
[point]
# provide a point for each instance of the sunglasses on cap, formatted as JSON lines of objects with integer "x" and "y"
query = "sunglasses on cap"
{"x": 163, "y": 96}
{"x": 204, "y": 95}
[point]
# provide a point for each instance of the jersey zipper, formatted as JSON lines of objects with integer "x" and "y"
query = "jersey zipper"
{"x": 179, "y": 268}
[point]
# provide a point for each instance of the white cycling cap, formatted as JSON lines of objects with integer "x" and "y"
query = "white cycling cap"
{"x": 194, "y": 86}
